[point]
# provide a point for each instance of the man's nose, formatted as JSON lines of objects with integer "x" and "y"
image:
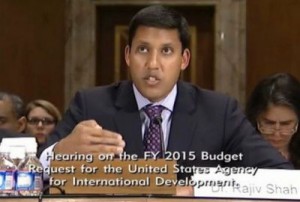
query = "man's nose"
{"x": 153, "y": 60}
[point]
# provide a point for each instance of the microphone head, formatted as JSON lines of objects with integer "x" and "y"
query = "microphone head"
{"x": 157, "y": 120}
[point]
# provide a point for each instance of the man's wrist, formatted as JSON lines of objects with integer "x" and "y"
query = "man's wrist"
{"x": 57, "y": 147}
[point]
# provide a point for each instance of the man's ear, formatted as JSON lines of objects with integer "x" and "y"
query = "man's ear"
{"x": 186, "y": 56}
{"x": 127, "y": 53}
{"x": 22, "y": 124}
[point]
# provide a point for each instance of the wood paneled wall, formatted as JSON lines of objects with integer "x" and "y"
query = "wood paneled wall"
{"x": 273, "y": 39}
{"x": 32, "y": 45}
{"x": 32, "y": 49}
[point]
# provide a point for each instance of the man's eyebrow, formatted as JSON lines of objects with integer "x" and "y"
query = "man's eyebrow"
{"x": 167, "y": 44}
{"x": 143, "y": 42}
{"x": 3, "y": 118}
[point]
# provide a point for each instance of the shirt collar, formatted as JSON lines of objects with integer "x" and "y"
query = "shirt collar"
{"x": 168, "y": 102}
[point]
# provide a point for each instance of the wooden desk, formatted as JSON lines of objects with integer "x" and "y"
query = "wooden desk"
{"x": 127, "y": 199}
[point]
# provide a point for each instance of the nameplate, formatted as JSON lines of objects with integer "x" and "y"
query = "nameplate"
{"x": 112, "y": 176}
{"x": 249, "y": 182}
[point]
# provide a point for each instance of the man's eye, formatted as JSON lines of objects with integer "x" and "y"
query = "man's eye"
{"x": 167, "y": 50}
{"x": 142, "y": 49}
{"x": 2, "y": 121}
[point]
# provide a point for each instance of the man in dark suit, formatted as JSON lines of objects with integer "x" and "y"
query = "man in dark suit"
{"x": 202, "y": 121}
{"x": 111, "y": 119}
{"x": 12, "y": 116}
{"x": 12, "y": 113}
{"x": 4, "y": 133}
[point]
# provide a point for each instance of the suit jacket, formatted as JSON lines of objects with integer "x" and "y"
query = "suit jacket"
{"x": 202, "y": 120}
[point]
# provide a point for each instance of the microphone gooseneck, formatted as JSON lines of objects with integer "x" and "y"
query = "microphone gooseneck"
{"x": 158, "y": 120}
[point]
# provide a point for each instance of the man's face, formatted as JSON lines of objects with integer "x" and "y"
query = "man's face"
{"x": 8, "y": 118}
{"x": 155, "y": 60}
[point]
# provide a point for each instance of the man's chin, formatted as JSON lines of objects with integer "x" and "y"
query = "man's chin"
{"x": 153, "y": 96}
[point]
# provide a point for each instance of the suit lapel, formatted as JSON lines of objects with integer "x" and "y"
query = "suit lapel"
{"x": 183, "y": 121}
{"x": 127, "y": 119}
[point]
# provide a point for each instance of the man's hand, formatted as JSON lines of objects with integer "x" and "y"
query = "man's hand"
{"x": 89, "y": 137}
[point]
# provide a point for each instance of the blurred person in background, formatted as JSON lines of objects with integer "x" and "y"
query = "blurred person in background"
{"x": 12, "y": 113}
{"x": 42, "y": 117}
{"x": 274, "y": 109}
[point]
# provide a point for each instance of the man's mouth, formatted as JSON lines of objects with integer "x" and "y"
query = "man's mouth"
{"x": 152, "y": 80}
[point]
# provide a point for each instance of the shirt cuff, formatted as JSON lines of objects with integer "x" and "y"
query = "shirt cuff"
{"x": 45, "y": 161}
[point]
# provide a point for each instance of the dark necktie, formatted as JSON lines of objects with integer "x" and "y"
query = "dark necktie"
{"x": 152, "y": 138}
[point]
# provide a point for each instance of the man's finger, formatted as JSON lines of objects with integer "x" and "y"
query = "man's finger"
{"x": 107, "y": 140}
{"x": 91, "y": 123}
{"x": 106, "y": 133}
{"x": 106, "y": 149}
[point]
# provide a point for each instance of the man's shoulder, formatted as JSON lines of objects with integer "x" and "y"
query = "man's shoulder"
{"x": 204, "y": 95}
{"x": 105, "y": 96}
{"x": 106, "y": 89}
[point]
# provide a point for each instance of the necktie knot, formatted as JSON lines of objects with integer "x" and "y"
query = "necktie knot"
{"x": 153, "y": 111}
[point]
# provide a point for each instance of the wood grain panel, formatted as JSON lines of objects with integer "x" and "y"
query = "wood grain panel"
{"x": 273, "y": 39}
{"x": 32, "y": 49}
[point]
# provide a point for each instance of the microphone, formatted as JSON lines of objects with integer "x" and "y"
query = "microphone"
{"x": 158, "y": 121}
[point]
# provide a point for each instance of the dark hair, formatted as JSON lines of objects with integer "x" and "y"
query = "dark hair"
{"x": 17, "y": 103}
{"x": 277, "y": 89}
{"x": 160, "y": 17}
